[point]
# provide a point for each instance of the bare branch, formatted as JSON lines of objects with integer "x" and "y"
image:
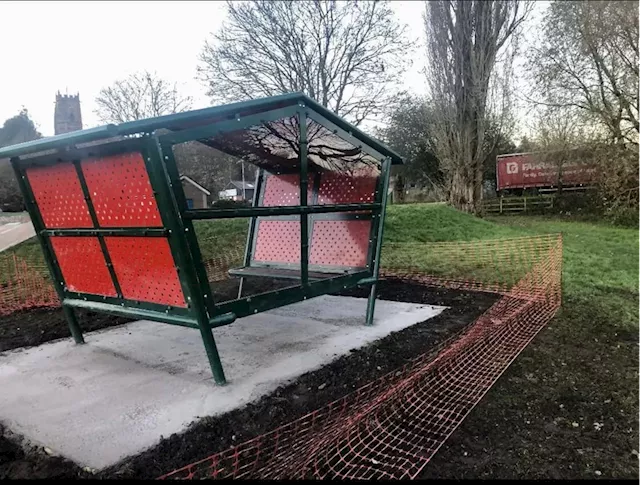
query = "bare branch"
{"x": 345, "y": 55}
{"x": 588, "y": 58}
{"x": 141, "y": 95}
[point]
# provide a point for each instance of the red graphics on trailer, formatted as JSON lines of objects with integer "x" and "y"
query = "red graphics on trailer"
{"x": 524, "y": 170}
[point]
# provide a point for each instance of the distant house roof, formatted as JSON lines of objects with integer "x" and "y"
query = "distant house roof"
{"x": 184, "y": 178}
{"x": 239, "y": 184}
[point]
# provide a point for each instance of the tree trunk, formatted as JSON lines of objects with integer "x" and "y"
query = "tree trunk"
{"x": 461, "y": 192}
{"x": 477, "y": 192}
{"x": 398, "y": 190}
{"x": 465, "y": 191}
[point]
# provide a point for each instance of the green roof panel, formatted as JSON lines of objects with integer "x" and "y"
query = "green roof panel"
{"x": 188, "y": 119}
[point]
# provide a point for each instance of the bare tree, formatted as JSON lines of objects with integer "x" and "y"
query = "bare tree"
{"x": 141, "y": 95}
{"x": 561, "y": 129}
{"x": 586, "y": 72}
{"x": 470, "y": 45}
{"x": 588, "y": 60}
{"x": 568, "y": 137}
{"x": 345, "y": 55}
{"x": 565, "y": 137}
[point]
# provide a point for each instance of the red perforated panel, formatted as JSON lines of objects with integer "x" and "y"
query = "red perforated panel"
{"x": 336, "y": 188}
{"x": 121, "y": 192}
{"x": 340, "y": 243}
{"x": 285, "y": 190}
{"x": 83, "y": 266}
{"x": 145, "y": 269}
{"x": 278, "y": 242}
{"x": 334, "y": 242}
{"x": 59, "y": 196}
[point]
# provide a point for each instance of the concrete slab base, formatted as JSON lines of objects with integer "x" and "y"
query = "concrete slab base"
{"x": 128, "y": 386}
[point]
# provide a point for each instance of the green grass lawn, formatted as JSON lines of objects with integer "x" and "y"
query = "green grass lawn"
{"x": 568, "y": 406}
{"x": 438, "y": 222}
{"x": 404, "y": 223}
{"x": 28, "y": 250}
{"x": 418, "y": 224}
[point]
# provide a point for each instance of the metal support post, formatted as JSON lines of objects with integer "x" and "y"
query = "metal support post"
{"x": 72, "y": 321}
{"x": 252, "y": 225}
{"x": 162, "y": 172}
{"x": 384, "y": 182}
{"x": 304, "y": 218}
{"x": 210, "y": 346}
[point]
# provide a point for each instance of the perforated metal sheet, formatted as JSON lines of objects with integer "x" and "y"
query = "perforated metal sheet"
{"x": 337, "y": 188}
{"x": 145, "y": 269}
{"x": 278, "y": 242}
{"x": 283, "y": 190}
{"x": 59, "y": 196}
{"x": 334, "y": 243}
{"x": 340, "y": 243}
{"x": 121, "y": 192}
{"x": 82, "y": 264}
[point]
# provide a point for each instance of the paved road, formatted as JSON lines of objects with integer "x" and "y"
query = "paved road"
{"x": 14, "y": 228}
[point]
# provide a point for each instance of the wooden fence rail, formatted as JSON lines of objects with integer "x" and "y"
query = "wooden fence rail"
{"x": 506, "y": 205}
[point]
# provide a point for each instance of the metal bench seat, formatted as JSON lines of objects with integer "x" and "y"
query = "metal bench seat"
{"x": 293, "y": 274}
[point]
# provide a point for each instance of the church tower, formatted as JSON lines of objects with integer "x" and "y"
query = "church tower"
{"x": 67, "y": 116}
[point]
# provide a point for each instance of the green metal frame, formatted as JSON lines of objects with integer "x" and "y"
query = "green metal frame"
{"x": 202, "y": 312}
{"x": 257, "y": 188}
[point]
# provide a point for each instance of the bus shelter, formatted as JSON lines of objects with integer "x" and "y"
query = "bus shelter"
{"x": 117, "y": 234}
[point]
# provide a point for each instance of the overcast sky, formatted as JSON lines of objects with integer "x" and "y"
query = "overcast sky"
{"x": 80, "y": 47}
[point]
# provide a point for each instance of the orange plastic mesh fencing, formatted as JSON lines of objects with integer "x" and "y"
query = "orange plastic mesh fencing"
{"x": 24, "y": 286}
{"x": 393, "y": 426}
{"x": 217, "y": 267}
{"x": 494, "y": 266}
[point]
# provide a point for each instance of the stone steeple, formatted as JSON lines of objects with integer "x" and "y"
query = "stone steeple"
{"x": 67, "y": 116}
